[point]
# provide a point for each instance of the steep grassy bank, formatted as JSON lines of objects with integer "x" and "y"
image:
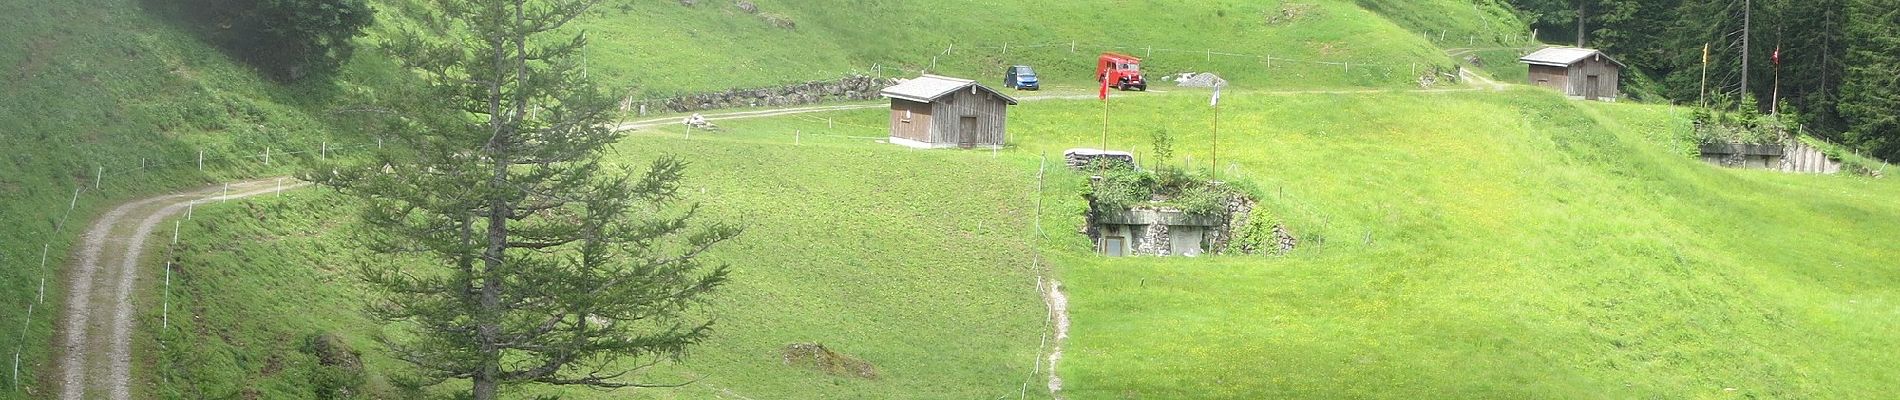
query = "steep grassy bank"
{"x": 108, "y": 99}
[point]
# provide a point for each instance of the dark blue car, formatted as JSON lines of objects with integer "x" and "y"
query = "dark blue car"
{"x": 1021, "y": 77}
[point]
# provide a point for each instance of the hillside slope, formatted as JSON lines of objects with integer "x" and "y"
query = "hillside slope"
{"x": 1486, "y": 245}
{"x": 661, "y": 47}
{"x": 1482, "y": 244}
{"x": 108, "y": 100}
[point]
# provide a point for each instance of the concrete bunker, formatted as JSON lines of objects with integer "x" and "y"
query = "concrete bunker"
{"x": 1155, "y": 232}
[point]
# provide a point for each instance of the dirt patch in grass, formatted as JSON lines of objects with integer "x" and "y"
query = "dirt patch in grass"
{"x": 39, "y": 53}
{"x": 818, "y": 357}
{"x": 1288, "y": 13}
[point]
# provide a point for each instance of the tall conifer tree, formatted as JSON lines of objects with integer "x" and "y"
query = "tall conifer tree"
{"x": 544, "y": 265}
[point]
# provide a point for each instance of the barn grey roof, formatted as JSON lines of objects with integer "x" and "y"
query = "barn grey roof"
{"x": 929, "y": 88}
{"x": 1565, "y": 56}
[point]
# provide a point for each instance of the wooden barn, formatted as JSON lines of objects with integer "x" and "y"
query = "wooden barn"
{"x": 933, "y": 112}
{"x": 1580, "y": 73}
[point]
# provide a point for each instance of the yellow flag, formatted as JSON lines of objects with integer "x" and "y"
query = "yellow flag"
{"x": 1705, "y": 54}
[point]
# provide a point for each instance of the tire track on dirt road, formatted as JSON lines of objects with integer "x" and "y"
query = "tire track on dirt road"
{"x": 95, "y": 354}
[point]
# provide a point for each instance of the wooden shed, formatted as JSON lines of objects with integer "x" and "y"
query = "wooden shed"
{"x": 1580, "y": 73}
{"x": 933, "y": 112}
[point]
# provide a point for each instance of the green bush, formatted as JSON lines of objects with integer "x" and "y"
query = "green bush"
{"x": 1203, "y": 200}
{"x": 1174, "y": 181}
{"x": 1121, "y": 185}
{"x": 287, "y": 39}
{"x": 1256, "y": 235}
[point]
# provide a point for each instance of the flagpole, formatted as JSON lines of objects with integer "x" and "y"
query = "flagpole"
{"x": 1774, "y": 105}
{"x": 1703, "y": 96}
{"x": 1216, "y": 133}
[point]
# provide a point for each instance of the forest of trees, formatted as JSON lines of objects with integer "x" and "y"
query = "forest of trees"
{"x": 1838, "y": 59}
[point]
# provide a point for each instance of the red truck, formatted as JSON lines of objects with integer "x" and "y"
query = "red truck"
{"x": 1121, "y": 71}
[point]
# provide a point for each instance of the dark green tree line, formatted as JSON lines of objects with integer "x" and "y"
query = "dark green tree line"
{"x": 1837, "y": 56}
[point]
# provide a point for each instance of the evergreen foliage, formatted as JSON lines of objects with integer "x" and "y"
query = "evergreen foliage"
{"x": 1870, "y": 99}
{"x": 549, "y": 267}
{"x": 1836, "y": 61}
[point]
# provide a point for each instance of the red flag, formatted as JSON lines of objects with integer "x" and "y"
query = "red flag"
{"x": 1777, "y": 56}
{"x": 1104, "y": 95}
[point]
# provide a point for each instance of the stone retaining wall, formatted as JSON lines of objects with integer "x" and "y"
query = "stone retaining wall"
{"x": 848, "y": 88}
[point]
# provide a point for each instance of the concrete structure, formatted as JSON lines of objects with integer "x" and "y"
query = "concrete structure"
{"x": 933, "y": 112}
{"x": 1795, "y": 158}
{"x": 1585, "y": 74}
{"x": 1147, "y": 232}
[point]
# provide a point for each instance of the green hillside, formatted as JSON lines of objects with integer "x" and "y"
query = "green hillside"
{"x": 1454, "y": 244}
{"x": 117, "y": 89}
{"x": 1482, "y": 244}
{"x": 660, "y": 47}
{"x": 105, "y": 97}
{"x": 845, "y": 246}
{"x": 1490, "y": 246}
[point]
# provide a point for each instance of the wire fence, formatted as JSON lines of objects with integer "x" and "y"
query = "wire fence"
{"x": 147, "y": 168}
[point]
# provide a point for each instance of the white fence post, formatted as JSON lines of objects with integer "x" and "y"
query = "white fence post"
{"x": 165, "y": 314}
{"x": 266, "y": 156}
{"x": 201, "y": 161}
{"x": 45, "y": 248}
{"x": 100, "y": 176}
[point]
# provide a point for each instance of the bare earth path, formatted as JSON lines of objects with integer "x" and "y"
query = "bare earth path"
{"x": 94, "y": 353}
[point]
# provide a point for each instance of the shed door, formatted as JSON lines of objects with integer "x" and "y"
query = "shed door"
{"x": 966, "y": 136}
{"x": 1590, "y": 88}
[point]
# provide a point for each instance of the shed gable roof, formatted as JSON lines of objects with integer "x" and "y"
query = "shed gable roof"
{"x": 1565, "y": 56}
{"x": 929, "y": 88}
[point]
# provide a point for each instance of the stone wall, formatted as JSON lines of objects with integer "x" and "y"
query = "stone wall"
{"x": 1795, "y": 157}
{"x": 1154, "y": 241}
{"x": 848, "y": 88}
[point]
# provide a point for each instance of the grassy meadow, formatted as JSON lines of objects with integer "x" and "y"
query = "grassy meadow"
{"x": 656, "y": 48}
{"x": 928, "y": 277}
{"x": 1484, "y": 245}
{"x": 1474, "y": 245}
{"x": 1463, "y": 245}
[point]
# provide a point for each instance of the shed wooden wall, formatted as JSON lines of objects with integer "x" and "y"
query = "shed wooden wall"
{"x": 990, "y": 111}
{"x": 1607, "y": 76}
{"x": 1555, "y": 78}
{"x": 917, "y": 127}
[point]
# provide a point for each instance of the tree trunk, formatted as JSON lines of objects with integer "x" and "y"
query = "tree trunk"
{"x": 1748, "y": 14}
{"x": 487, "y": 389}
{"x": 1581, "y": 17}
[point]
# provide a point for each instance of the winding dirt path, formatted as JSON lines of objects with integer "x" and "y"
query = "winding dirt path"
{"x": 94, "y": 353}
